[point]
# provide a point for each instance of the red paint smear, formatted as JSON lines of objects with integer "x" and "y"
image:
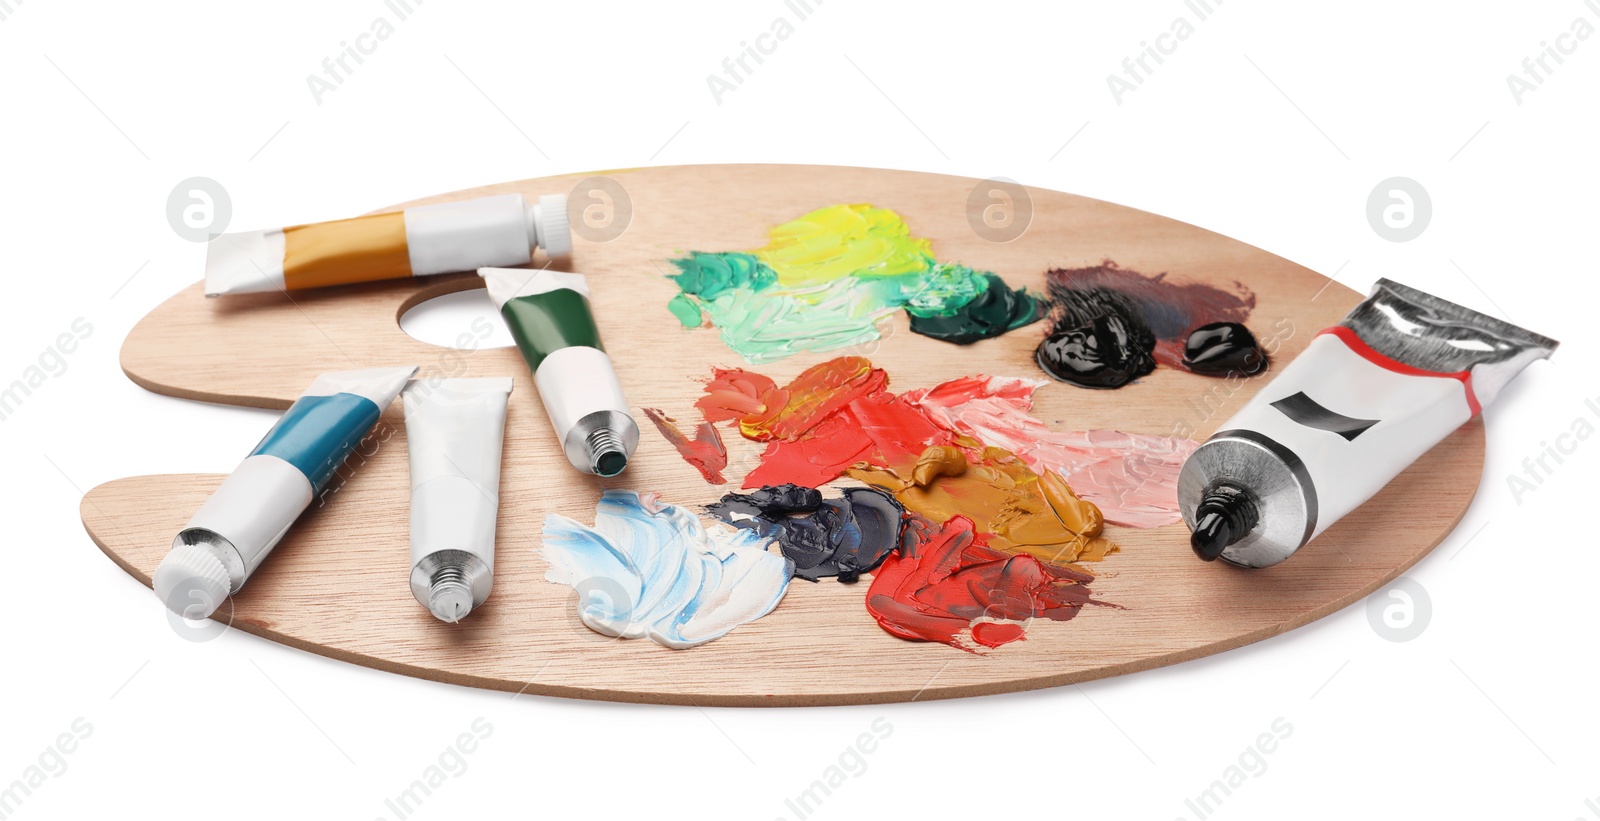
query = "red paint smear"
{"x": 937, "y": 588}
{"x": 1171, "y": 309}
{"x": 812, "y": 460}
{"x": 705, "y": 451}
{"x": 735, "y": 394}
{"x": 833, "y": 415}
{"x": 766, "y": 412}
{"x": 898, "y": 429}
{"x": 879, "y": 430}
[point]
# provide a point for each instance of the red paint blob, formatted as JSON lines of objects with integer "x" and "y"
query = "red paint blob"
{"x": 939, "y": 587}
{"x": 705, "y": 451}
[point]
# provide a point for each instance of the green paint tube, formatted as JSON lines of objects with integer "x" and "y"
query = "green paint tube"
{"x": 549, "y": 316}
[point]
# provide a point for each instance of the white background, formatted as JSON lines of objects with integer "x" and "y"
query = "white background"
{"x": 1271, "y": 124}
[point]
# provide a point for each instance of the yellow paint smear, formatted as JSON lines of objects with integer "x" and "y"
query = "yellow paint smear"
{"x": 844, "y": 240}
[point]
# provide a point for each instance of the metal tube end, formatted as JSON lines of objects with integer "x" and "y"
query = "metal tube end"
{"x": 607, "y": 455}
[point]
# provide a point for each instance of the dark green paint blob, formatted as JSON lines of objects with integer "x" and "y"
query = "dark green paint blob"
{"x": 996, "y": 310}
{"x": 545, "y": 323}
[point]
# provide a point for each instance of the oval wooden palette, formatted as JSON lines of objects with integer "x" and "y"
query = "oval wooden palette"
{"x": 338, "y": 584}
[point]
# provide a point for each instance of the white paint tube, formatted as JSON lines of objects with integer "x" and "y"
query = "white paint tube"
{"x": 455, "y": 431}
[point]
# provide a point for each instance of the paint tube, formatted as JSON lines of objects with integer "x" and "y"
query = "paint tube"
{"x": 1365, "y": 399}
{"x": 247, "y": 515}
{"x": 550, "y": 319}
{"x": 419, "y": 241}
{"x": 455, "y": 429}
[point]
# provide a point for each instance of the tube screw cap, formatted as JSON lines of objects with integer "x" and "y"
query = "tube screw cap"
{"x": 191, "y": 582}
{"x": 1226, "y": 514}
{"x": 553, "y": 227}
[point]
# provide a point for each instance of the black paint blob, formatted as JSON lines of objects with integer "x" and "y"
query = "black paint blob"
{"x": 1223, "y": 348}
{"x": 843, "y": 537}
{"x": 1099, "y": 339}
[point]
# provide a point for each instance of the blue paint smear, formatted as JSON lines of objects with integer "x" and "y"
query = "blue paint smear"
{"x": 317, "y": 433}
{"x": 652, "y": 570}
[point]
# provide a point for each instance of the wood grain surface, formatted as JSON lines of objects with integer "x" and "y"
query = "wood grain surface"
{"x": 337, "y": 585}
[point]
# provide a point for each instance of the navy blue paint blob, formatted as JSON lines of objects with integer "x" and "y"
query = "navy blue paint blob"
{"x": 842, "y": 537}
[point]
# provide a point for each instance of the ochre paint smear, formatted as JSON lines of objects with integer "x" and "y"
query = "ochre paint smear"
{"x": 1170, "y": 309}
{"x": 705, "y": 451}
{"x": 1131, "y": 477}
{"x": 824, "y": 281}
{"x": 1021, "y": 512}
{"x": 947, "y": 586}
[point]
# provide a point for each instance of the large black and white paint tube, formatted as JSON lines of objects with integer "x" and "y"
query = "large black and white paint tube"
{"x": 1366, "y": 398}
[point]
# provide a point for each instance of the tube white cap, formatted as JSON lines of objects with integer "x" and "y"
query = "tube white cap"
{"x": 551, "y": 228}
{"x": 191, "y": 581}
{"x": 449, "y": 601}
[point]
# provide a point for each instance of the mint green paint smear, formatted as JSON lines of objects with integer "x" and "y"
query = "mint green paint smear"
{"x": 826, "y": 280}
{"x": 686, "y": 310}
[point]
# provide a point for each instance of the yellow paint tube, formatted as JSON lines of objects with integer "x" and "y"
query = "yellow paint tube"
{"x": 495, "y": 231}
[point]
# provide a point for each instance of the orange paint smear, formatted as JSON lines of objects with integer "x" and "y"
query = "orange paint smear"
{"x": 705, "y": 451}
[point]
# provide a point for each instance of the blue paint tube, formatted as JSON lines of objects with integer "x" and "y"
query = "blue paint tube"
{"x": 249, "y": 513}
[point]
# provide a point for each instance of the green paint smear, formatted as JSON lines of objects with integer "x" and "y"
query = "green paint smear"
{"x": 995, "y": 311}
{"x": 686, "y": 310}
{"x": 708, "y": 275}
{"x": 825, "y": 281}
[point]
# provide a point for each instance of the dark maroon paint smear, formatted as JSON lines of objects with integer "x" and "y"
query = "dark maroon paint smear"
{"x": 1171, "y": 309}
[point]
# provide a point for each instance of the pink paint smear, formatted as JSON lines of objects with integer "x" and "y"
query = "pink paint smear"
{"x": 1131, "y": 477}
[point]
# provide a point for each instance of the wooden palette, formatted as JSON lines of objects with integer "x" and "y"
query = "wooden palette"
{"x": 338, "y": 584}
